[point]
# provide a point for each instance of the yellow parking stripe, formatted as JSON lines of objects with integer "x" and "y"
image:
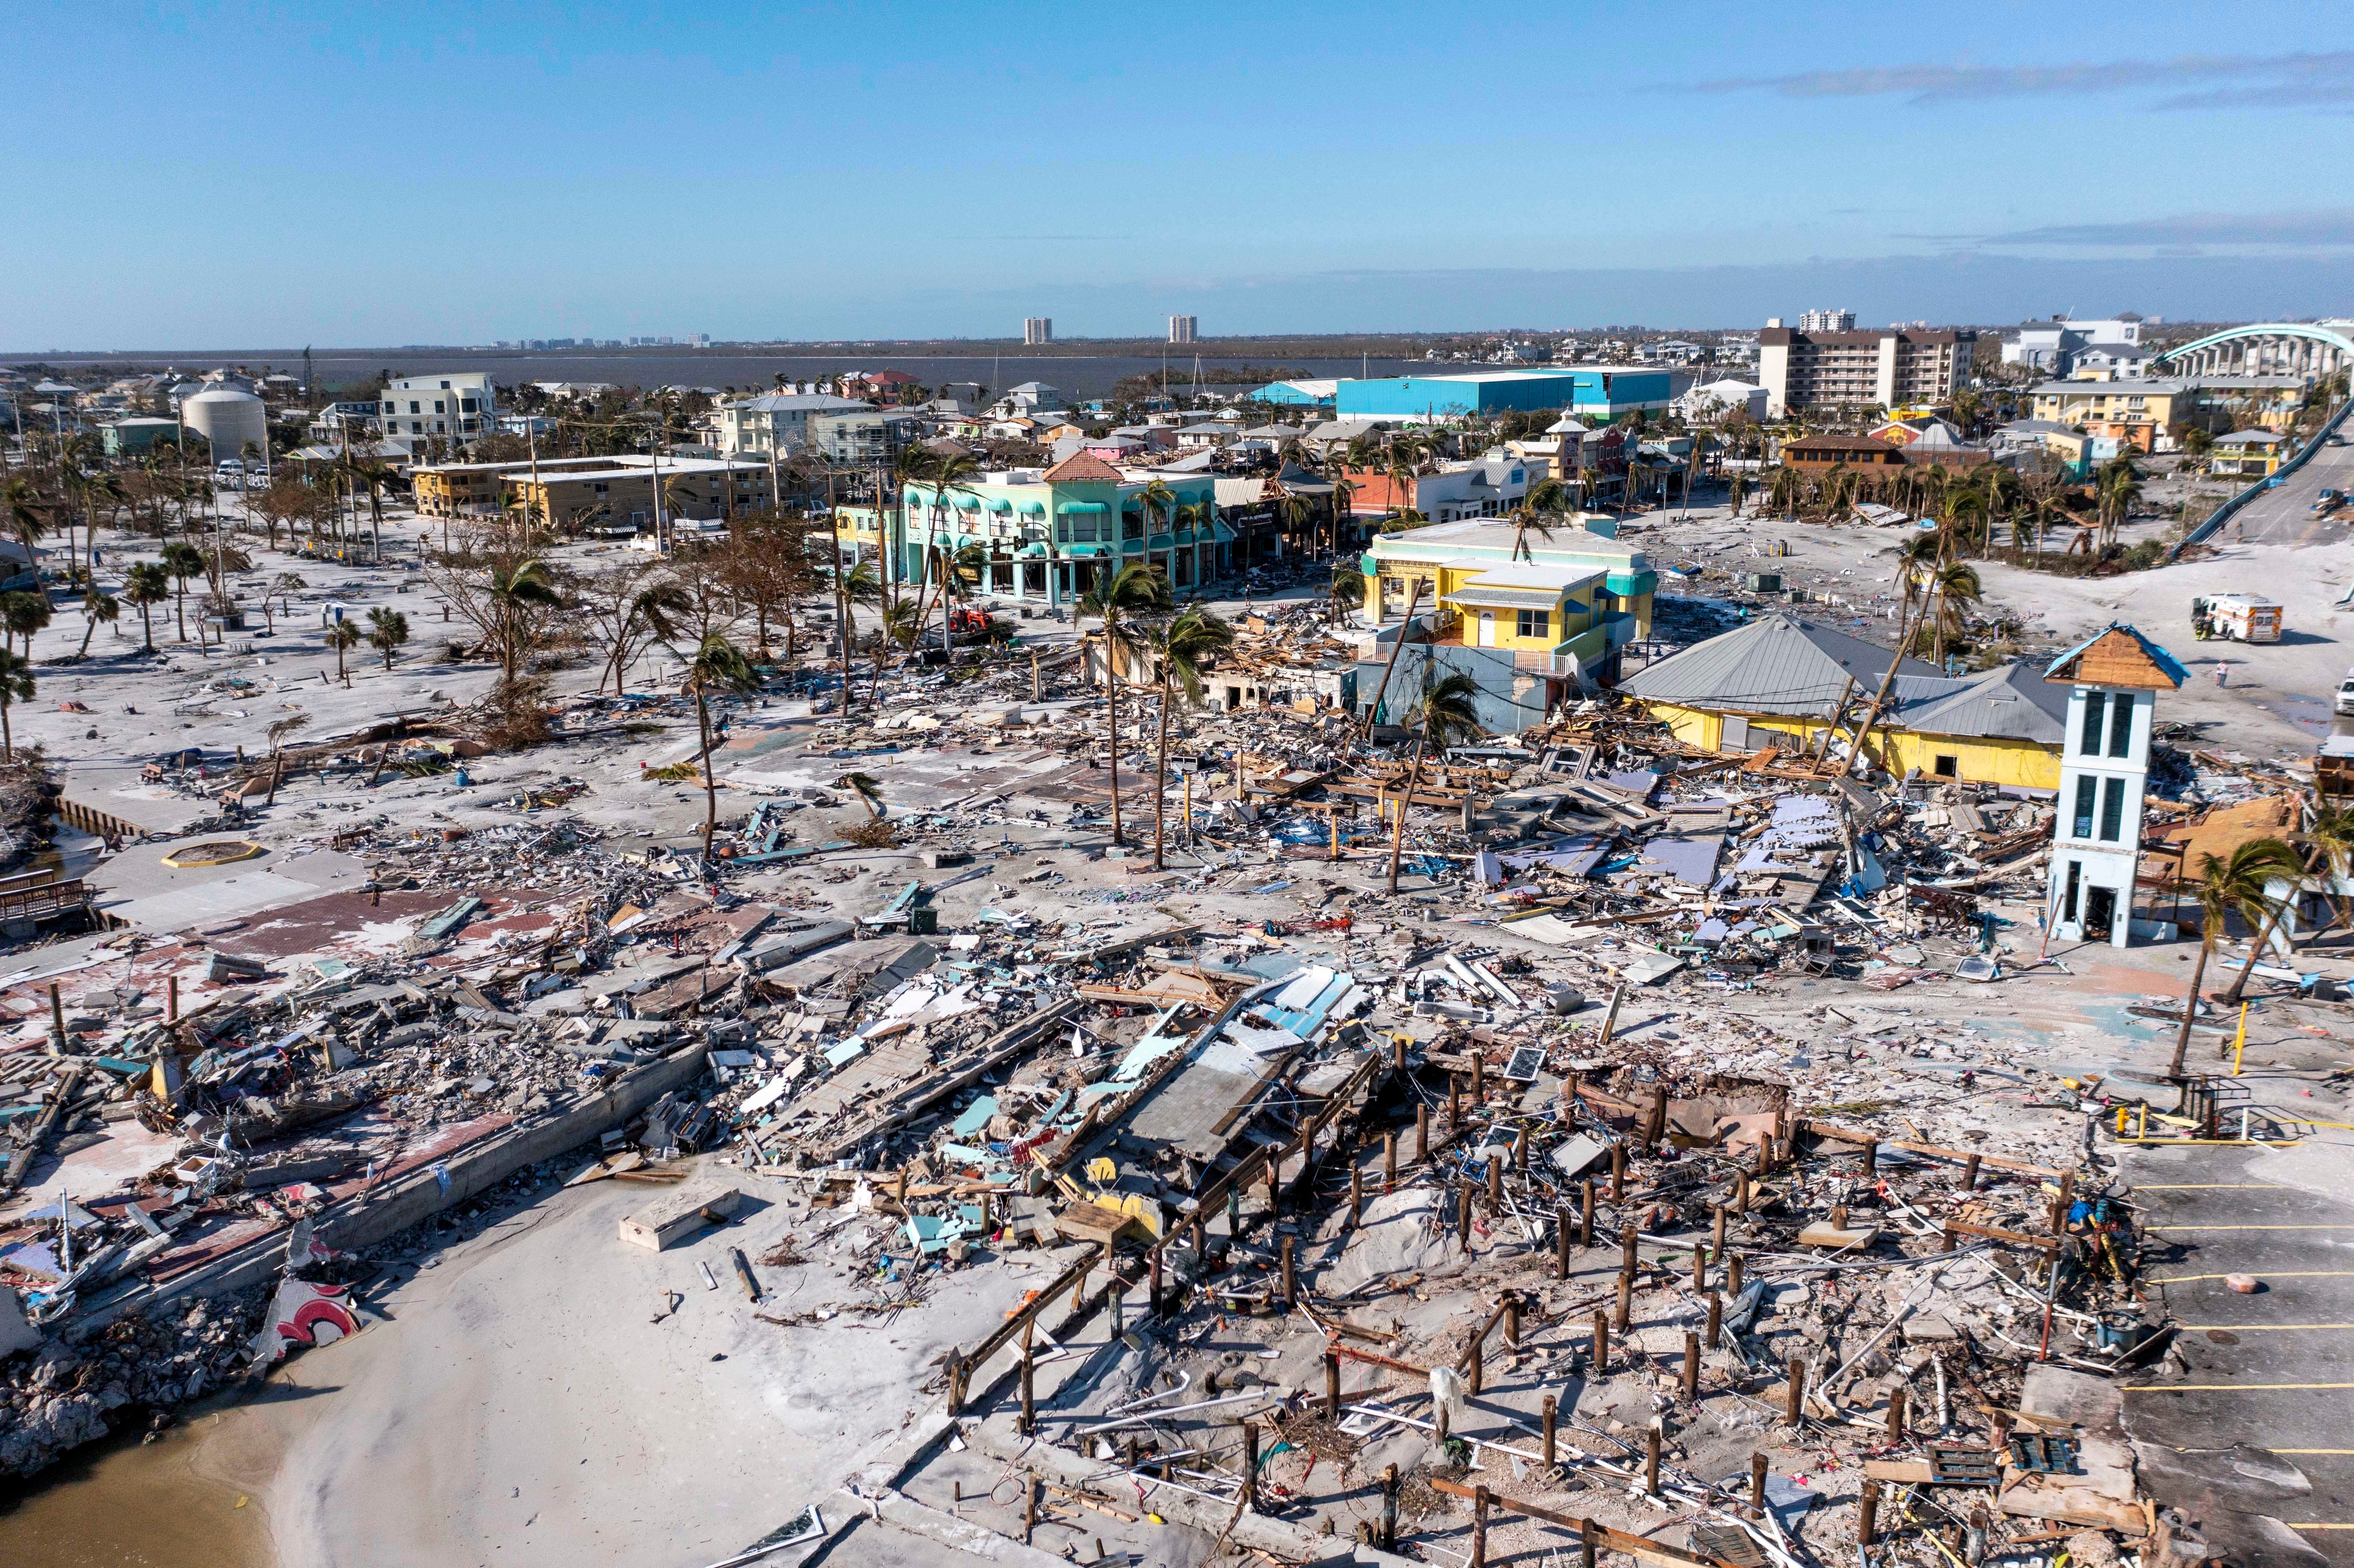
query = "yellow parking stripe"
{"x": 2298, "y": 1274}
{"x": 2249, "y": 1228}
{"x": 2223, "y": 1387}
{"x": 2212, "y": 1187}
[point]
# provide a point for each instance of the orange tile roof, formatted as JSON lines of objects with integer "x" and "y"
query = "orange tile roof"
{"x": 1082, "y": 465}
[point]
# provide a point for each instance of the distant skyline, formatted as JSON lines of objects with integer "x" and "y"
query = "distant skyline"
{"x": 244, "y": 174}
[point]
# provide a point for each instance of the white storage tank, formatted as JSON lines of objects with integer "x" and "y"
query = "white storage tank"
{"x": 229, "y": 419}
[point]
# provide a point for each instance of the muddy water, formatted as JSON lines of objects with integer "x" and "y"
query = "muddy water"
{"x": 189, "y": 1500}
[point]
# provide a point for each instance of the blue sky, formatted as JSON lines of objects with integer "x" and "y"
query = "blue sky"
{"x": 250, "y": 176}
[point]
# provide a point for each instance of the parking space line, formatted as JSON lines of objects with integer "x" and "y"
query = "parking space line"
{"x": 2299, "y": 1274}
{"x": 2225, "y": 1387}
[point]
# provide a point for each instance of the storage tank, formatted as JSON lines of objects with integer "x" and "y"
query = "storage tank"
{"x": 229, "y": 419}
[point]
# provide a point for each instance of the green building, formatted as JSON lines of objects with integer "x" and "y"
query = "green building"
{"x": 1045, "y": 536}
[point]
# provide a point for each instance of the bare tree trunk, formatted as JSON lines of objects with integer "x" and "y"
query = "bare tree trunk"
{"x": 1111, "y": 698}
{"x": 2191, "y": 1007}
{"x": 1160, "y": 770}
{"x": 710, "y": 785}
{"x": 1405, "y": 804}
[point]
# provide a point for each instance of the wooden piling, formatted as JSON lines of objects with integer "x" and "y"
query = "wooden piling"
{"x": 1550, "y": 1414}
{"x": 1692, "y": 1364}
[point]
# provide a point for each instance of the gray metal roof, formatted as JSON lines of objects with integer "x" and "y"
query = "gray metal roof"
{"x": 1775, "y": 665}
{"x": 2012, "y": 702}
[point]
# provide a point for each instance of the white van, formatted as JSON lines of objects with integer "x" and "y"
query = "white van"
{"x": 2345, "y": 696}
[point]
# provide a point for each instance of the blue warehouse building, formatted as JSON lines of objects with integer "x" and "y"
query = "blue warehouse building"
{"x": 1595, "y": 395}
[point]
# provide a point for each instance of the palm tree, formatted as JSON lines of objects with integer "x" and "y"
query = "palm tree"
{"x": 2329, "y": 845}
{"x": 1134, "y": 590}
{"x": 516, "y": 591}
{"x": 97, "y": 605}
{"x": 387, "y": 629}
{"x": 2224, "y": 888}
{"x": 852, "y": 585}
{"x": 1347, "y": 592}
{"x": 28, "y": 516}
{"x": 1448, "y": 715}
{"x": 99, "y": 489}
{"x": 868, "y": 790}
{"x": 183, "y": 561}
{"x": 343, "y": 635}
{"x": 15, "y": 685}
{"x": 1180, "y": 645}
{"x": 1296, "y": 509}
{"x": 24, "y": 614}
{"x": 717, "y": 666}
{"x": 2119, "y": 489}
{"x": 902, "y": 627}
{"x": 147, "y": 585}
{"x": 654, "y": 611}
{"x": 1956, "y": 584}
{"x": 946, "y": 472}
{"x": 278, "y": 734}
{"x": 1739, "y": 490}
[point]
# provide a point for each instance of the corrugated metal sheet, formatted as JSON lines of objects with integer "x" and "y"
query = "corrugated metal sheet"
{"x": 1775, "y": 665}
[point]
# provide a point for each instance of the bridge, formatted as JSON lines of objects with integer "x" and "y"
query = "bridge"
{"x": 2264, "y": 348}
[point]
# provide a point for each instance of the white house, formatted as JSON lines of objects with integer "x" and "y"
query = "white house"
{"x": 775, "y": 422}
{"x": 1715, "y": 400}
{"x": 2114, "y": 678}
{"x": 463, "y": 404}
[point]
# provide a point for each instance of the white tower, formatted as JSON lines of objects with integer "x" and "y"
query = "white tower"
{"x": 2104, "y": 773}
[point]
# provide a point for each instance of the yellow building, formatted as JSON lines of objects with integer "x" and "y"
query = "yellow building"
{"x": 1523, "y": 606}
{"x": 1783, "y": 682}
{"x": 2247, "y": 454}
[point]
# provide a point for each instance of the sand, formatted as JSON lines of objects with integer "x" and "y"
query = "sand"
{"x": 516, "y": 1405}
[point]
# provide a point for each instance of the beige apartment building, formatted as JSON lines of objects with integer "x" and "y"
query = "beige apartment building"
{"x": 615, "y": 493}
{"x": 1894, "y": 370}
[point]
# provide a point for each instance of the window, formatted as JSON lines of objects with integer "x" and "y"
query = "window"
{"x": 2113, "y": 809}
{"x": 1948, "y": 767}
{"x": 2076, "y": 877}
{"x": 2121, "y": 710}
{"x": 413, "y": 407}
{"x": 438, "y": 408}
{"x": 2087, "y": 787}
{"x": 467, "y": 405}
{"x": 1537, "y": 623}
{"x": 2091, "y": 743}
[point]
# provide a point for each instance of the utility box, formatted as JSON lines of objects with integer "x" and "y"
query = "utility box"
{"x": 1764, "y": 582}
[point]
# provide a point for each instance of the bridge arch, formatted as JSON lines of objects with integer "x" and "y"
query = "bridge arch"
{"x": 2263, "y": 348}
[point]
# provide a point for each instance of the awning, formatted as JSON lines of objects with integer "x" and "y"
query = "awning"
{"x": 1033, "y": 548}
{"x": 1079, "y": 508}
{"x": 1628, "y": 583}
{"x": 966, "y": 502}
{"x": 1088, "y": 550}
{"x": 999, "y": 504}
{"x": 1032, "y": 508}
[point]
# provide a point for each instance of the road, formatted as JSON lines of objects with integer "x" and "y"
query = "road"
{"x": 2261, "y": 1428}
{"x": 2282, "y": 516}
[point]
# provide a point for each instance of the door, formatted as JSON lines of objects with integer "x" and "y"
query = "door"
{"x": 1737, "y": 733}
{"x": 2100, "y": 912}
{"x": 1487, "y": 628}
